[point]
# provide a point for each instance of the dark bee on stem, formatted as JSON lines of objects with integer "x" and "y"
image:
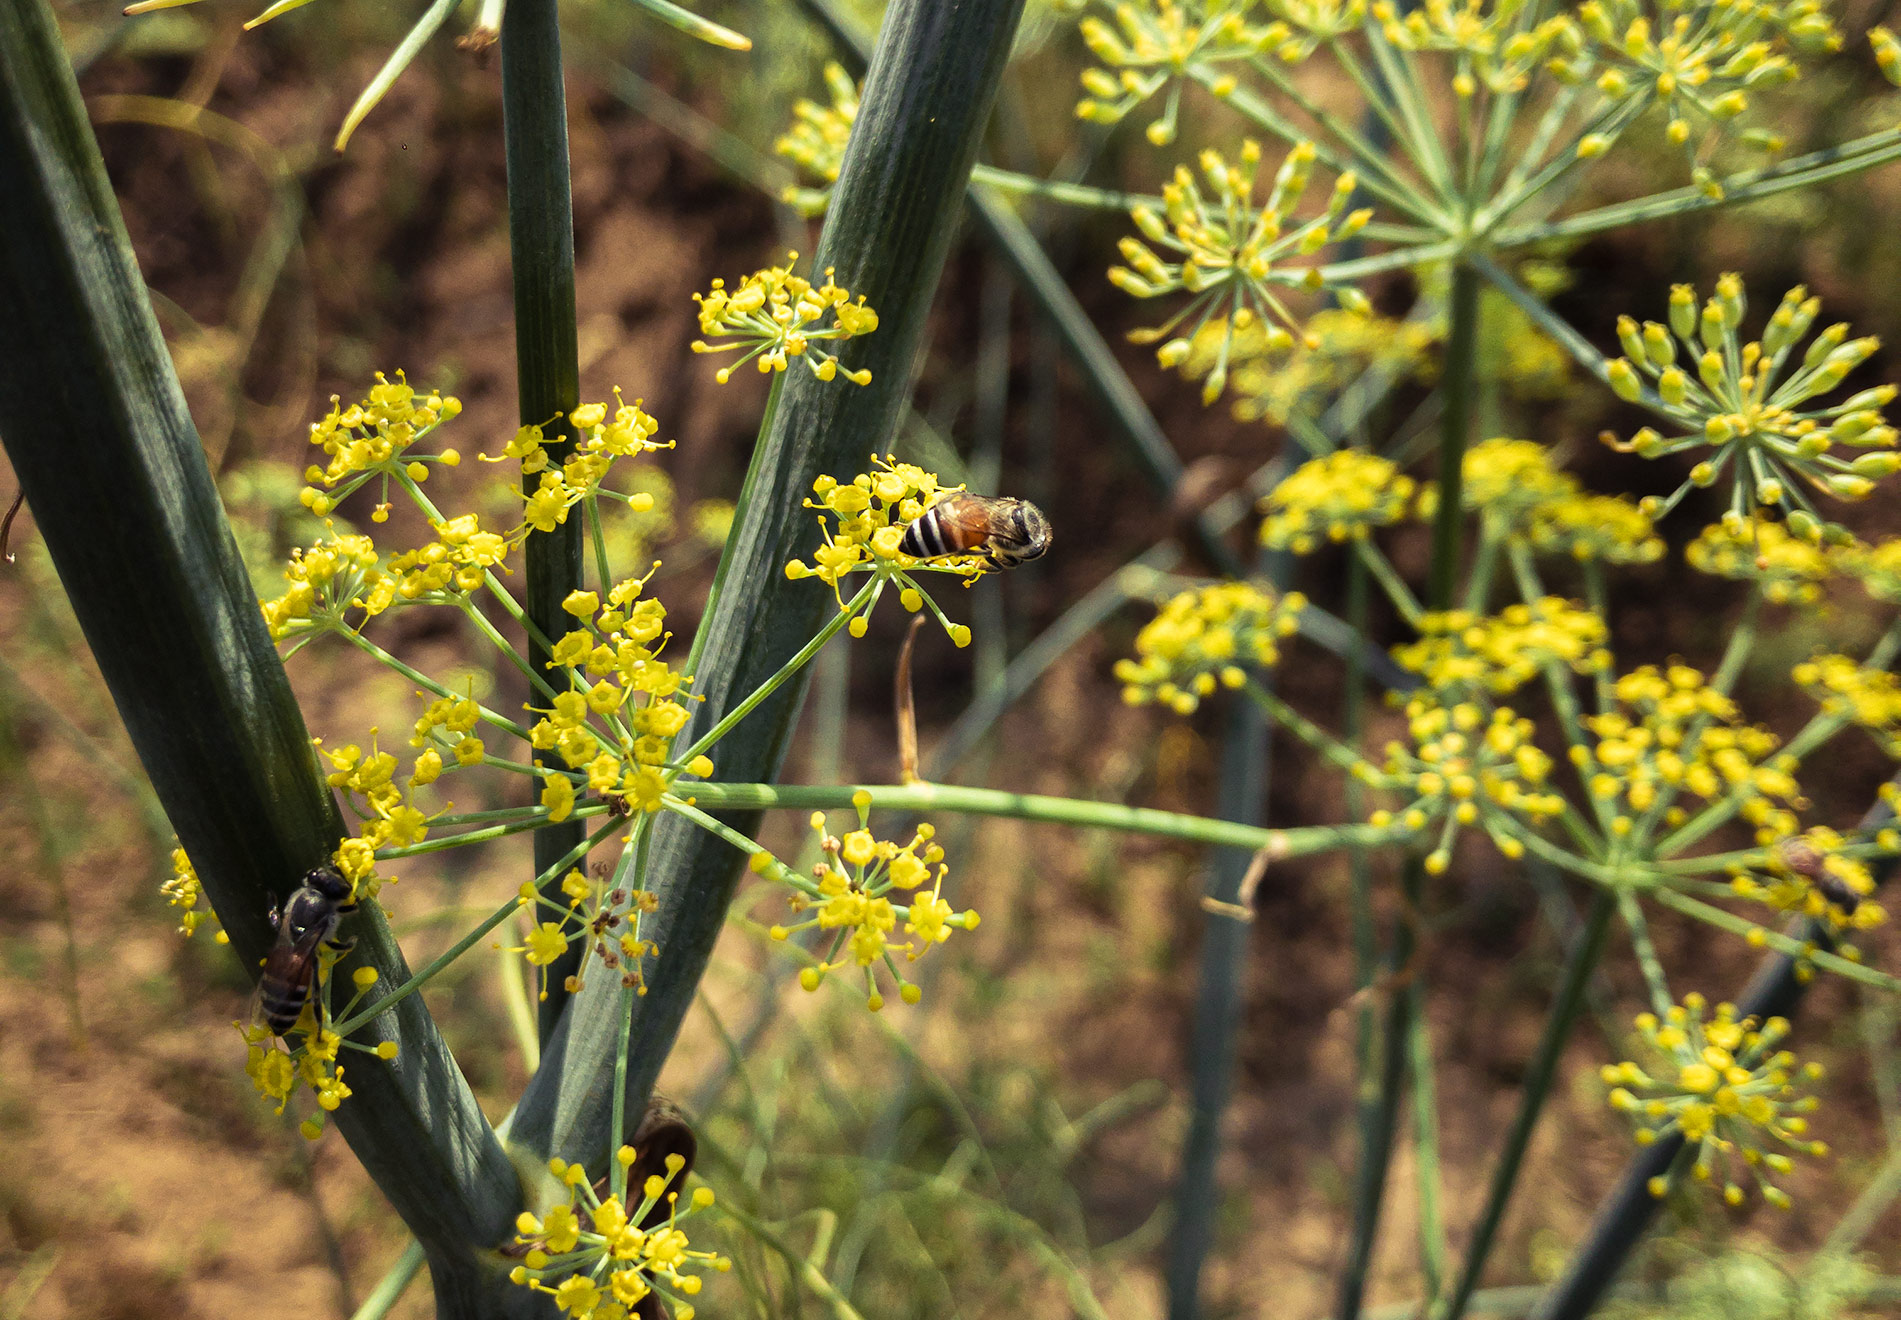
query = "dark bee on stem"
{"x": 305, "y": 924}
{"x": 1003, "y": 530}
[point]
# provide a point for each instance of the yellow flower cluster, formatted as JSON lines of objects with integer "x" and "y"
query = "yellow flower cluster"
{"x": 1337, "y": 348}
{"x": 1345, "y": 494}
{"x": 1512, "y": 477}
{"x": 312, "y": 1060}
{"x": 1744, "y": 402}
{"x": 614, "y": 727}
{"x": 816, "y": 141}
{"x": 184, "y": 891}
{"x": 1231, "y": 256}
{"x": 372, "y": 439}
{"x": 1207, "y": 636}
{"x": 599, "y": 1256}
{"x": 606, "y": 916}
{"x": 1720, "y": 1082}
{"x": 1674, "y": 733}
{"x": 1530, "y": 500}
{"x": 849, "y": 893}
{"x": 389, "y": 816}
{"x": 1460, "y": 653}
{"x": 869, "y": 516}
{"x": 1697, "y": 61}
{"x": 1869, "y": 698}
{"x": 1792, "y": 571}
{"x": 332, "y": 577}
{"x": 1463, "y": 767}
{"x": 345, "y": 572}
{"x": 1153, "y": 45}
{"x": 775, "y": 316}
{"x": 1489, "y": 45}
{"x": 1877, "y": 567}
{"x": 1607, "y": 528}
{"x": 1813, "y": 875}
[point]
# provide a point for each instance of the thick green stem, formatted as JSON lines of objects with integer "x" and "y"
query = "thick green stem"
{"x": 1589, "y": 947}
{"x": 1245, "y": 766}
{"x": 926, "y": 98}
{"x": 135, "y": 527}
{"x": 547, "y": 365}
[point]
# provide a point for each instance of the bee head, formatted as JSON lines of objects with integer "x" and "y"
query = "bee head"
{"x": 326, "y": 881}
{"x": 1033, "y": 532}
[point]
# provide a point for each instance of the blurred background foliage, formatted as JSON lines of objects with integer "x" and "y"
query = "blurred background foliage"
{"x": 1010, "y": 1144}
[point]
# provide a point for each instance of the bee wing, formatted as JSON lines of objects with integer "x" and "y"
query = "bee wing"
{"x": 969, "y": 516}
{"x": 290, "y": 962}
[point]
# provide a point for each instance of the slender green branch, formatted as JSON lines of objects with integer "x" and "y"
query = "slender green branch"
{"x": 1638, "y": 927}
{"x": 1298, "y": 842}
{"x": 429, "y": 684}
{"x": 1853, "y": 157}
{"x": 1426, "y": 1170}
{"x": 1390, "y": 581}
{"x": 1337, "y": 752}
{"x": 786, "y": 671}
{"x": 1757, "y": 933}
{"x": 470, "y": 940}
{"x": 1055, "y": 190}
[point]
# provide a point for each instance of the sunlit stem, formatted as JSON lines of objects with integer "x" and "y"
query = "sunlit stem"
{"x": 1799, "y": 949}
{"x": 1306, "y": 730}
{"x": 469, "y": 941}
{"x": 953, "y": 798}
{"x": 475, "y": 616}
{"x": 429, "y": 684}
{"x": 1389, "y": 579}
{"x": 510, "y": 606}
{"x": 533, "y": 818}
{"x": 1661, "y": 1000}
{"x": 787, "y": 670}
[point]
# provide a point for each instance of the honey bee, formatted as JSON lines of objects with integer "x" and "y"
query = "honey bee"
{"x": 1003, "y": 530}
{"x": 307, "y": 921}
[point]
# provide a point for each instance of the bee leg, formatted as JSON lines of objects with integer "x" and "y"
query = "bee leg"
{"x": 340, "y": 947}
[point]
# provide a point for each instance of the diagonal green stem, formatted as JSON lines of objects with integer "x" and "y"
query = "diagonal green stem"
{"x": 1536, "y": 1089}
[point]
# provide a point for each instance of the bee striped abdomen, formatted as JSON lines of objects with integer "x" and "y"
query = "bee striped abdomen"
{"x": 282, "y": 1002}
{"x": 930, "y": 535}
